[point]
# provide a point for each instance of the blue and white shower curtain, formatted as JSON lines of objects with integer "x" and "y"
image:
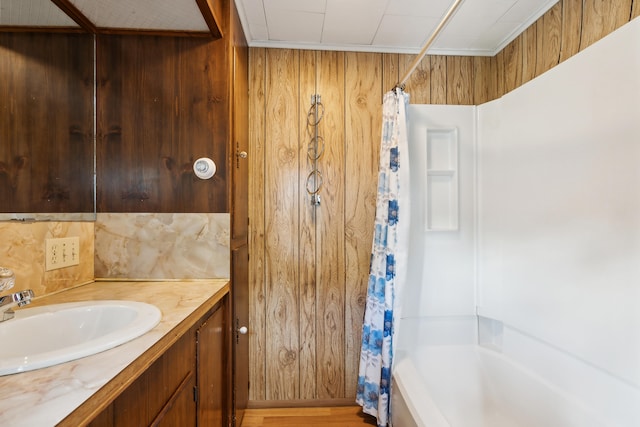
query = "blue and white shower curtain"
{"x": 388, "y": 261}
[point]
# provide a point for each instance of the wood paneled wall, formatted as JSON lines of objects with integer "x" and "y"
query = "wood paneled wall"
{"x": 46, "y": 123}
{"x": 309, "y": 266}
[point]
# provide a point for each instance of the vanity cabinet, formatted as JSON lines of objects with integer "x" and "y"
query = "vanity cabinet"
{"x": 186, "y": 386}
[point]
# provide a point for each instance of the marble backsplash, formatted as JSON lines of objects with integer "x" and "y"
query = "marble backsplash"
{"x": 22, "y": 249}
{"x": 120, "y": 246}
{"x": 162, "y": 246}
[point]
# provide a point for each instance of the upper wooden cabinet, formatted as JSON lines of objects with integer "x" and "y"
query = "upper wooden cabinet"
{"x": 46, "y": 123}
{"x": 162, "y": 103}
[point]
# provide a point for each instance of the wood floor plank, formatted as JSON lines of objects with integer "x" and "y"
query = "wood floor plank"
{"x": 344, "y": 416}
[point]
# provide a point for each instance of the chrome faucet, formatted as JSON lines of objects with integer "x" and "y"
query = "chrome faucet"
{"x": 16, "y": 299}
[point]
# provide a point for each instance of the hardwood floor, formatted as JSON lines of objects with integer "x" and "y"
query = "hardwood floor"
{"x": 343, "y": 416}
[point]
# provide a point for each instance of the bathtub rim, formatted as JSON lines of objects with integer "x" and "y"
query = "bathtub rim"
{"x": 408, "y": 385}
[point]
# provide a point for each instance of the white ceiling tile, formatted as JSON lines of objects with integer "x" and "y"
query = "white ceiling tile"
{"x": 404, "y": 31}
{"x": 479, "y": 26}
{"x": 304, "y": 27}
{"x": 523, "y": 9}
{"x": 315, "y": 6}
{"x": 434, "y": 8}
{"x": 352, "y": 22}
{"x": 484, "y": 12}
{"x": 474, "y": 19}
{"x": 259, "y": 32}
{"x": 495, "y": 35}
{"x": 254, "y": 13}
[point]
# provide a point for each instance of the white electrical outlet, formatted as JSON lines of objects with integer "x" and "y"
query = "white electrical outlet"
{"x": 62, "y": 252}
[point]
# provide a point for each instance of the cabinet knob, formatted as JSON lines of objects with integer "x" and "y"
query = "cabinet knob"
{"x": 242, "y": 154}
{"x": 242, "y": 330}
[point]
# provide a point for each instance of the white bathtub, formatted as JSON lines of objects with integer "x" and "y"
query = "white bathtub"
{"x": 472, "y": 386}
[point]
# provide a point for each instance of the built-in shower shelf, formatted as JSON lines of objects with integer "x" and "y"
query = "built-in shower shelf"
{"x": 442, "y": 180}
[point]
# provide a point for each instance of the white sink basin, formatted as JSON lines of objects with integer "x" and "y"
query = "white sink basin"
{"x": 44, "y": 336}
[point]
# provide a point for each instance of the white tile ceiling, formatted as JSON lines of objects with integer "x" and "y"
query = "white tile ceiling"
{"x": 479, "y": 27}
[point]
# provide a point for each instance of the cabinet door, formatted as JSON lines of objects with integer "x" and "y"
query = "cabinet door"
{"x": 162, "y": 395}
{"x": 240, "y": 164}
{"x": 240, "y": 345}
{"x": 170, "y": 379}
{"x": 212, "y": 346}
{"x": 182, "y": 411}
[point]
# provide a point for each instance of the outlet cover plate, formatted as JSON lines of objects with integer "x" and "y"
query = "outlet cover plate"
{"x": 62, "y": 252}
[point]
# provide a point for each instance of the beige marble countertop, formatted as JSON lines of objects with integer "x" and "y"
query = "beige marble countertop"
{"x": 71, "y": 392}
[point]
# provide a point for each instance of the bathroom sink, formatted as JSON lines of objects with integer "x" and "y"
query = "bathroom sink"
{"x": 44, "y": 336}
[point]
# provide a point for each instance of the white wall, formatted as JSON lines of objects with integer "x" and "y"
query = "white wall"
{"x": 559, "y": 206}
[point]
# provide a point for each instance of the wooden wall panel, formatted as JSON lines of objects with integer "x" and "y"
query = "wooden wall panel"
{"x": 308, "y": 250}
{"x": 529, "y": 54}
{"x": 390, "y": 72}
{"x": 418, "y": 85}
{"x": 513, "y": 62}
{"x": 363, "y": 119}
{"x": 307, "y": 233}
{"x": 601, "y": 17}
{"x": 459, "y": 81}
{"x": 282, "y": 223}
{"x": 438, "y": 79}
{"x": 46, "y": 123}
{"x": 330, "y": 230}
{"x": 571, "y": 28}
{"x": 484, "y": 82}
{"x": 548, "y": 38}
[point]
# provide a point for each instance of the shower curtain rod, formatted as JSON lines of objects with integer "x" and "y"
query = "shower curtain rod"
{"x": 431, "y": 39}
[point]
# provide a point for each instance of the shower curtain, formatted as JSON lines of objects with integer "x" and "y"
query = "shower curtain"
{"x": 388, "y": 261}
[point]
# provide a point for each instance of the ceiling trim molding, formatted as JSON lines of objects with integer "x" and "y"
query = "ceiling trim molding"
{"x": 343, "y": 48}
{"x": 369, "y": 49}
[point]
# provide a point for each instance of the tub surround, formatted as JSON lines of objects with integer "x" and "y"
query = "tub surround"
{"x": 76, "y": 391}
{"x": 162, "y": 246}
{"x": 530, "y": 310}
